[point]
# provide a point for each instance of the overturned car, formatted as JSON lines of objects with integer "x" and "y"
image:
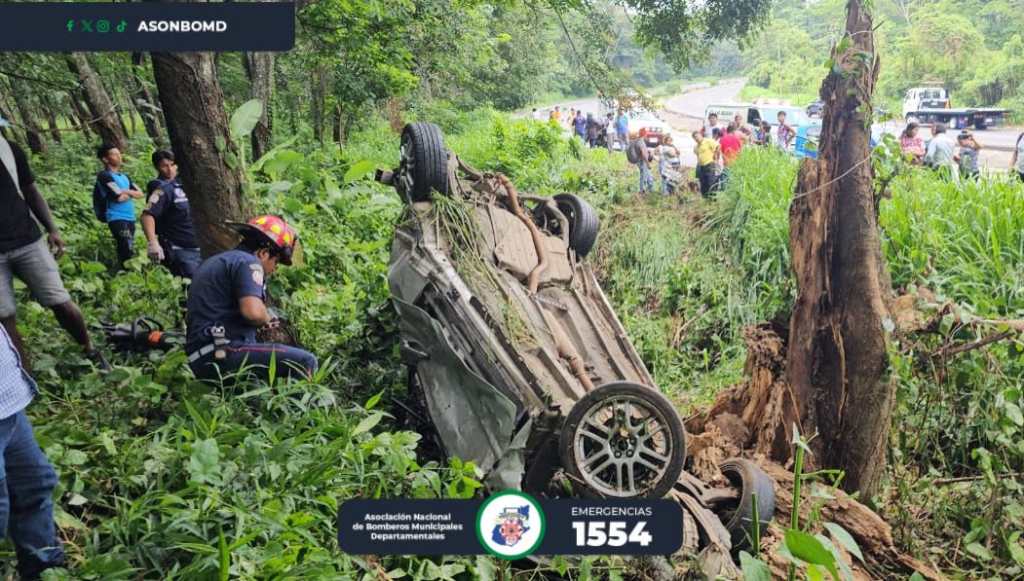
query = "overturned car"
{"x": 517, "y": 360}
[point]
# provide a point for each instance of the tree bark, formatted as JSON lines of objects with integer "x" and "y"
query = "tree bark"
{"x": 319, "y": 93}
{"x": 81, "y": 115}
{"x": 145, "y": 103}
{"x": 260, "y": 68}
{"x": 104, "y": 118}
{"x": 197, "y": 124}
{"x": 33, "y": 133}
{"x": 837, "y": 366}
{"x": 51, "y": 117}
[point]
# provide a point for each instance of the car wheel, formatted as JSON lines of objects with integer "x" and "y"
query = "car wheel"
{"x": 738, "y": 515}
{"x": 424, "y": 161}
{"x": 583, "y": 222}
{"x": 623, "y": 440}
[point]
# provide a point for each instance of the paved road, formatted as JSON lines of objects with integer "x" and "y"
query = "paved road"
{"x": 685, "y": 112}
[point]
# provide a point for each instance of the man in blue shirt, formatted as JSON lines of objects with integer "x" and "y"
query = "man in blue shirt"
{"x": 226, "y": 305}
{"x": 622, "y": 129}
{"x": 167, "y": 220}
{"x": 119, "y": 191}
{"x": 27, "y": 479}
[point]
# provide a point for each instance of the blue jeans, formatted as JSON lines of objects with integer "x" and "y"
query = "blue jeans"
{"x": 182, "y": 262}
{"x": 27, "y": 481}
{"x": 646, "y": 179}
{"x": 289, "y": 361}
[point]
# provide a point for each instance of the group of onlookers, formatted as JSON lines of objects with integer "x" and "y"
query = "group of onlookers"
{"x": 610, "y": 131}
{"x": 717, "y": 147}
{"x": 954, "y": 159}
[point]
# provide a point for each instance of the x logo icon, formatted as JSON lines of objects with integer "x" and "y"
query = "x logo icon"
{"x": 86, "y": 25}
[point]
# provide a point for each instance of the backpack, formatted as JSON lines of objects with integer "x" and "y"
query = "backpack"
{"x": 99, "y": 198}
{"x": 636, "y": 151}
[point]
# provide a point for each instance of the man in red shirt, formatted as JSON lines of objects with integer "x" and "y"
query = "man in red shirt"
{"x": 731, "y": 145}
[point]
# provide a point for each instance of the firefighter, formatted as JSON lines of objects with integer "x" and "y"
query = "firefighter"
{"x": 226, "y": 305}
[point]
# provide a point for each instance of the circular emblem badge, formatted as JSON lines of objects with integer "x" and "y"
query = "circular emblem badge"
{"x": 510, "y": 525}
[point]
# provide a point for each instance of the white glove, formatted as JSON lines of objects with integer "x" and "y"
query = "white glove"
{"x": 155, "y": 251}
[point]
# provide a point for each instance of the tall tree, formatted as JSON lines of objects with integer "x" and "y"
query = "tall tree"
{"x": 144, "y": 101}
{"x": 104, "y": 118}
{"x": 32, "y": 131}
{"x": 259, "y": 66}
{"x": 197, "y": 123}
{"x": 837, "y": 362}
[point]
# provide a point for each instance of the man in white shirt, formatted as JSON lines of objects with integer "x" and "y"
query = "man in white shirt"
{"x": 940, "y": 152}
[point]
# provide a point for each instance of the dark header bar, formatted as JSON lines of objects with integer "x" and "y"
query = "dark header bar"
{"x": 147, "y": 26}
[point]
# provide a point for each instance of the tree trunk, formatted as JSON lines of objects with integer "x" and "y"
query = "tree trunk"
{"x": 51, "y": 117}
{"x": 81, "y": 115}
{"x": 197, "y": 124}
{"x": 338, "y": 126}
{"x": 837, "y": 366}
{"x": 319, "y": 92}
{"x": 104, "y": 118}
{"x": 33, "y": 133}
{"x": 145, "y": 103}
{"x": 260, "y": 68}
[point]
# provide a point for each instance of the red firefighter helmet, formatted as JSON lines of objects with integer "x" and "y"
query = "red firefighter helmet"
{"x": 274, "y": 229}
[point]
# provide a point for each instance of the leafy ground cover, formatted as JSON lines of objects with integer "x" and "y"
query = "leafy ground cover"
{"x": 164, "y": 477}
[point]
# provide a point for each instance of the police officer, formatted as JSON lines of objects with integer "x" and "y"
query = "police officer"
{"x": 167, "y": 220}
{"x": 226, "y": 306}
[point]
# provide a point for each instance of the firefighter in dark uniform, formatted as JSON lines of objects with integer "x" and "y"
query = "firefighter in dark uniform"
{"x": 226, "y": 305}
{"x": 167, "y": 220}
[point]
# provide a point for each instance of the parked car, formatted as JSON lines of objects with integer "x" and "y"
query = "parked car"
{"x": 648, "y": 126}
{"x": 517, "y": 360}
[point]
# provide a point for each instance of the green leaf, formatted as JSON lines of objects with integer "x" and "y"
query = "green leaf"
{"x": 810, "y": 550}
{"x": 368, "y": 423}
{"x": 841, "y": 536}
{"x": 372, "y": 402}
{"x": 754, "y": 569}
{"x": 980, "y": 551}
{"x": 484, "y": 568}
{"x": 245, "y": 118}
{"x": 204, "y": 464}
{"x": 75, "y": 458}
{"x": 1013, "y": 413}
{"x": 358, "y": 170}
{"x": 916, "y": 577}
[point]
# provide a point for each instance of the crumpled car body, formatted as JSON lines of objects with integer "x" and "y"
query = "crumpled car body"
{"x": 501, "y": 349}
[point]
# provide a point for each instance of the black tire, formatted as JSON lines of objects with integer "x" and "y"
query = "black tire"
{"x": 658, "y": 485}
{"x": 738, "y": 517}
{"x": 424, "y": 161}
{"x": 583, "y": 222}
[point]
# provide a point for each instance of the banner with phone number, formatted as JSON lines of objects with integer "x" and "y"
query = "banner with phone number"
{"x": 510, "y": 525}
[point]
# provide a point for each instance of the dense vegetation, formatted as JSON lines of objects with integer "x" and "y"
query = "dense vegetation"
{"x": 170, "y": 478}
{"x": 973, "y": 47}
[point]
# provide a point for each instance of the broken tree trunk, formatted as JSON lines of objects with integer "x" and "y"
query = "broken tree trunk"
{"x": 104, "y": 118}
{"x": 193, "y": 107}
{"x": 837, "y": 366}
